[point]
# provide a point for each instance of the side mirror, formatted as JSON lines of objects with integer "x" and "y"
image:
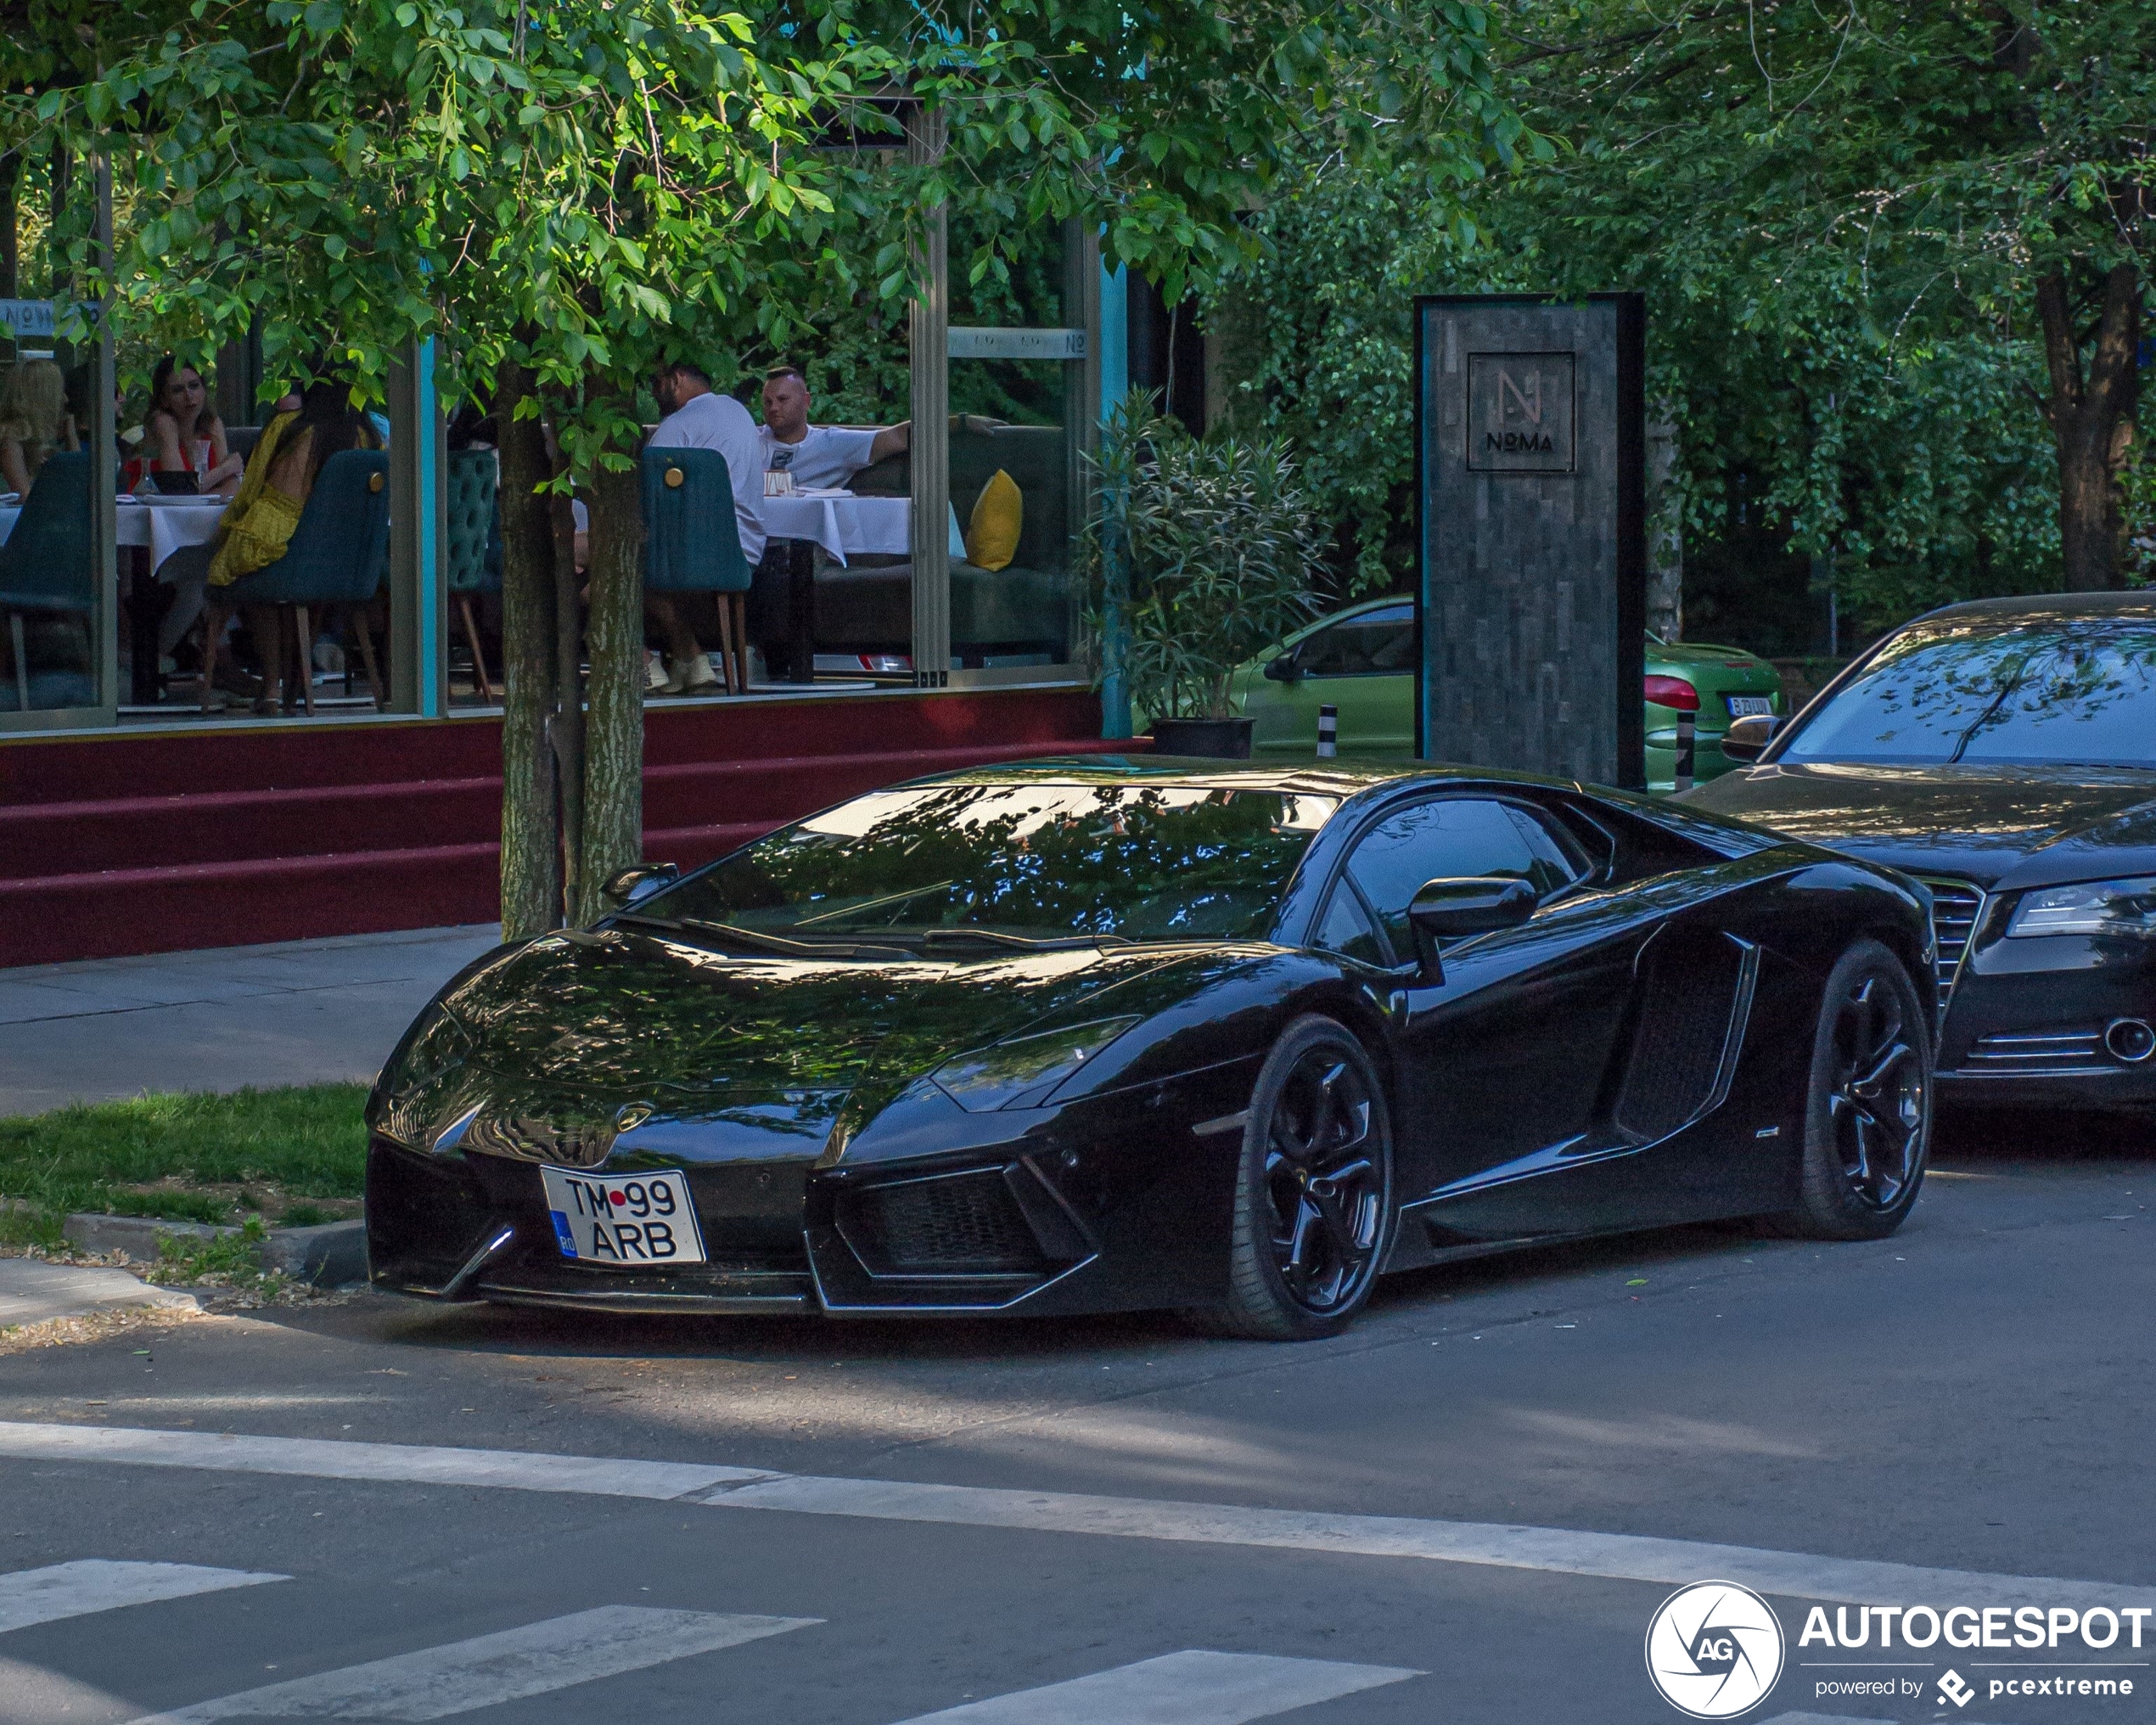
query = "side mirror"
{"x": 1746, "y": 739}
{"x": 1451, "y": 910}
{"x": 633, "y": 885}
{"x": 1287, "y": 668}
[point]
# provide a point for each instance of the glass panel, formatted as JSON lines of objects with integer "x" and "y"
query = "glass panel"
{"x": 48, "y": 582}
{"x": 1014, "y": 471}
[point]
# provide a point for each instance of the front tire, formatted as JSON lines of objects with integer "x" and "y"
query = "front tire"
{"x": 1868, "y": 1112}
{"x": 1313, "y": 1191}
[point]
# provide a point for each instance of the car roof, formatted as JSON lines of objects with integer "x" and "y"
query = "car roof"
{"x": 1340, "y": 778}
{"x": 2040, "y": 608}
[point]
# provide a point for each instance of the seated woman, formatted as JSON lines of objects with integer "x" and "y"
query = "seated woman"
{"x": 34, "y": 422}
{"x": 257, "y": 524}
{"x": 184, "y": 433}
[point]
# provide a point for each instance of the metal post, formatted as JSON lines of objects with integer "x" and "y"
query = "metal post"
{"x": 104, "y": 463}
{"x": 418, "y": 528}
{"x": 1329, "y": 732}
{"x": 1114, "y": 384}
{"x": 1687, "y": 738}
{"x": 929, "y": 331}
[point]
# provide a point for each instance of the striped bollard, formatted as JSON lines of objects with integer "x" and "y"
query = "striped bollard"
{"x": 1329, "y": 732}
{"x": 1687, "y": 733}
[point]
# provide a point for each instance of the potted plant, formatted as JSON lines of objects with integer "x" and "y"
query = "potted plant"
{"x": 1205, "y": 547}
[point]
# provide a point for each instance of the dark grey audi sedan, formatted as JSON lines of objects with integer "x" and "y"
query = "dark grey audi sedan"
{"x": 2004, "y": 752}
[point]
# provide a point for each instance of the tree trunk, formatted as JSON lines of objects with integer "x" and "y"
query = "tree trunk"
{"x": 2086, "y": 414}
{"x": 566, "y": 729}
{"x": 613, "y": 837}
{"x": 10, "y": 225}
{"x": 1664, "y": 532}
{"x": 531, "y": 895}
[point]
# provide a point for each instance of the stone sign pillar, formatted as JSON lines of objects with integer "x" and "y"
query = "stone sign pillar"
{"x": 1532, "y": 533}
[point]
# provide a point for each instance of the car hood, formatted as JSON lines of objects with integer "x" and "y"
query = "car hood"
{"x": 617, "y": 1013}
{"x": 1998, "y": 826}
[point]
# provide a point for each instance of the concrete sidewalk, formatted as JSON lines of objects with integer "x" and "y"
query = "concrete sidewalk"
{"x": 34, "y": 1292}
{"x": 299, "y": 1012}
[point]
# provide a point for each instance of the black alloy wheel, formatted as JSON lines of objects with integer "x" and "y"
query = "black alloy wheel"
{"x": 1313, "y": 1201}
{"x": 1868, "y": 1113}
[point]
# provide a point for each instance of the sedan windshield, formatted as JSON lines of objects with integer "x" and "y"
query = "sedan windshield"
{"x": 1026, "y": 862}
{"x": 2079, "y": 691}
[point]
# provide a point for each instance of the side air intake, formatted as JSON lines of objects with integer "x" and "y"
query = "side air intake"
{"x": 1691, "y": 1005}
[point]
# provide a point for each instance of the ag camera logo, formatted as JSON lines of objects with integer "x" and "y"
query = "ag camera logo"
{"x": 1713, "y": 1649}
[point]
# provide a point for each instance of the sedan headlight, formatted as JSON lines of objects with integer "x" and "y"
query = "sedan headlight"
{"x": 2089, "y": 907}
{"x": 1025, "y": 1069}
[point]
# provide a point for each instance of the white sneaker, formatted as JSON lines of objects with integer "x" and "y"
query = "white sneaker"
{"x": 655, "y": 671}
{"x": 695, "y": 678}
{"x": 329, "y": 659}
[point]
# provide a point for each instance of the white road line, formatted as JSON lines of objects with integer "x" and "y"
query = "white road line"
{"x": 1178, "y": 1689}
{"x": 1822, "y": 1719}
{"x": 96, "y": 1584}
{"x": 1560, "y": 1551}
{"x": 401, "y": 1464}
{"x": 487, "y": 1670}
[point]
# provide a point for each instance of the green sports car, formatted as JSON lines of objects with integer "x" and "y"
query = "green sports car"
{"x": 1360, "y": 660}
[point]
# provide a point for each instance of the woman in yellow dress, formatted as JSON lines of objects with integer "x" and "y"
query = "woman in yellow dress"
{"x": 257, "y": 524}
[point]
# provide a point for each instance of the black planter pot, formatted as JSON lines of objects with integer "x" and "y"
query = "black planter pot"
{"x": 1220, "y": 740}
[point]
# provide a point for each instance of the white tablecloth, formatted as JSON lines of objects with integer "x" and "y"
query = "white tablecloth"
{"x": 844, "y": 525}
{"x": 163, "y": 527}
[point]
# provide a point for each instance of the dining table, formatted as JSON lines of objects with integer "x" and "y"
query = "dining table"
{"x": 811, "y": 524}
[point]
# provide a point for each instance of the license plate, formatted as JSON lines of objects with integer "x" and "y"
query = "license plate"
{"x": 1743, "y": 707}
{"x": 623, "y": 1222}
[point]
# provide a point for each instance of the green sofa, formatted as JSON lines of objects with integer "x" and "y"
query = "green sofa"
{"x": 1026, "y": 608}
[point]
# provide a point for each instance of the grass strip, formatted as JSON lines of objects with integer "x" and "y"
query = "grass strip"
{"x": 187, "y": 1156}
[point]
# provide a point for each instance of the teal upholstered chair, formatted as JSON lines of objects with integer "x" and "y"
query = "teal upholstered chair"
{"x": 45, "y": 566}
{"x": 336, "y": 556}
{"x": 692, "y": 543}
{"x": 473, "y": 487}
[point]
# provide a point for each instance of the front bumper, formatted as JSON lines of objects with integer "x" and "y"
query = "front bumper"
{"x": 1112, "y": 1205}
{"x": 2027, "y": 1020}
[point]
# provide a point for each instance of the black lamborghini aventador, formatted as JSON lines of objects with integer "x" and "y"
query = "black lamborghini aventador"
{"x": 1111, "y": 1033}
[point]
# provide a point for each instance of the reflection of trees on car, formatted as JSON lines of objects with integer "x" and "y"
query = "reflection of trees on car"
{"x": 1051, "y": 859}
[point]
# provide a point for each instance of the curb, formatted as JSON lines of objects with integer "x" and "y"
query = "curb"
{"x": 328, "y": 1255}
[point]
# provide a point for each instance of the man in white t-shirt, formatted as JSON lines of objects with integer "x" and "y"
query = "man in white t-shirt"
{"x": 698, "y": 417}
{"x": 819, "y": 457}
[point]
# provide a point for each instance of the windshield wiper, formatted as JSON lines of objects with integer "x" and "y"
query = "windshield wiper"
{"x": 762, "y": 942}
{"x": 1025, "y": 943}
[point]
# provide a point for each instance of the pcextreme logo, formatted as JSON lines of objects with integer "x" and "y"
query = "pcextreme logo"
{"x": 1713, "y": 1649}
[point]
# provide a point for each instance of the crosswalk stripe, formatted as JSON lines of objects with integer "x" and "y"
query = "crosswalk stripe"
{"x": 1551, "y": 1550}
{"x": 1178, "y": 1689}
{"x": 509, "y": 1666}
{"x": 100, "y": 1584}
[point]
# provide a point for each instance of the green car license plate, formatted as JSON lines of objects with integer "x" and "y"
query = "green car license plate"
{"x": 1743, "y": 707}
{"x": 623, "y": 1220}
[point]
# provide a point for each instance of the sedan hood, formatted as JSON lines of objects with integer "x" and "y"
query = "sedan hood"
{"x": 1998, "y": 826}
{"x": 623, "y": 1014}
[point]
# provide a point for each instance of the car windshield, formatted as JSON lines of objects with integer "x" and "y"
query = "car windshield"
{"x": 1029, "y": 862}
{"x": 2078, "y": 691}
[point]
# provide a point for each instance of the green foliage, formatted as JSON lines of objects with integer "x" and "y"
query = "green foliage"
{"x": 226, "y": 1260}
{"x": 139, "y": 1157}
{"x": 1837, "y": 216}
{"x": 1214, "y": 547}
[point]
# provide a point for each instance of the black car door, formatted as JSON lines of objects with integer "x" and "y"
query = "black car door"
{"x": 1505, "y": 1056}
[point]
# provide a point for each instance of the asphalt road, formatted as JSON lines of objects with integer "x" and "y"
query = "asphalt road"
{"x": 1972, "y": 1397}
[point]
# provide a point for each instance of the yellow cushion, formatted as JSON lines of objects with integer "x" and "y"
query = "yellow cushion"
{"x": 999, "y": 511}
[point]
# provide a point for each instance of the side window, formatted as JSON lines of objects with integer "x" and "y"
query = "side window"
{"x": 1345, "y": 928}
{"x": 1558, "y": 860}
{"x": 1447, "y": 837}
{"x": 1374, "y": 644}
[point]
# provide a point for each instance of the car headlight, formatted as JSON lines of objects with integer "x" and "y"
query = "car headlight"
{"x": 1025, "y": 1069}
{"x": 2089, "y": 907}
